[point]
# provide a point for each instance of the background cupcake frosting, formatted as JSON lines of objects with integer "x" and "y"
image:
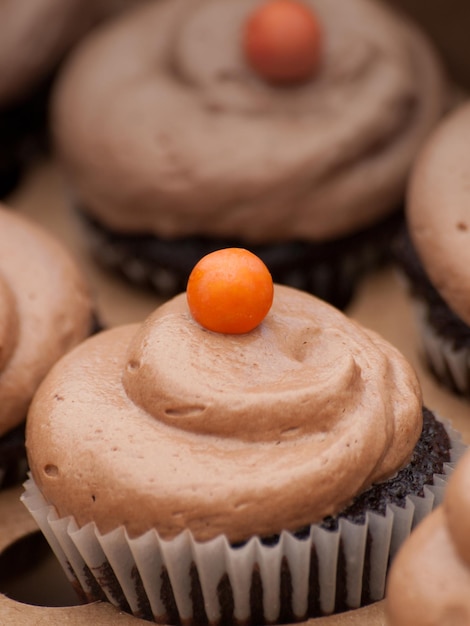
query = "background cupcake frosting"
{"x": 200, "y": 145}
{"x": 46, "y": 309}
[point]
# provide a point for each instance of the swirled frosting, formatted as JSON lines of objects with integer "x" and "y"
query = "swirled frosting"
{"x": 437, "y": 210}
{"x": 34, "y": 36}
{"x": 45, "y": 309}
{"x": 430, "y": 578}
{"x": 163, "y": 128}
{"x": 171, "y": 426}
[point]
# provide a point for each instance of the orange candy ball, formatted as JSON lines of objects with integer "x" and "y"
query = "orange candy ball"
{"x": 230, "y": 291}
{"x": 282, "y": 41}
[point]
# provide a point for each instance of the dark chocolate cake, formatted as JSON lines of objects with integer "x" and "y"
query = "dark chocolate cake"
{"x": 330, "y": 270}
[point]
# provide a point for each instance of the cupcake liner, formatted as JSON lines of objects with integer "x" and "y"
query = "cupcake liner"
{"x": 329, "y": 270}
{"x": 166, "y": 580}
{"x": 448, "y": 360}
{"x": 445, "y": 338}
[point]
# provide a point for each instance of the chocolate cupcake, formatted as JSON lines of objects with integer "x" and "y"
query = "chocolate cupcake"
{"x": 430, "y": 578}
{"x": 433, "y": 254}
{"x": 173, "y": 145}
{"x": 34, "y": 39}
{"x": 45, "y": 310}
{"x": 206, "y": 477}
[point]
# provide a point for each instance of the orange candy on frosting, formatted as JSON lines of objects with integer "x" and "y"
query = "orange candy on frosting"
{"x": 282, "y": 41}
{"x": 230, "y": 291}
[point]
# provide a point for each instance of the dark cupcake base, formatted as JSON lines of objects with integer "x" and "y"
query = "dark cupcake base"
{"x": 431, "y": 453}
{"x": 23, "y": 135}
{"x": 329, "y": 270}
{"x": 13, "y": 464}
{"x": 449, "y": 330}
{"x": 441, "y": 318}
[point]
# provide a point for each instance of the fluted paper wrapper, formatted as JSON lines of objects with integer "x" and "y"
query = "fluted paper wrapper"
{"x": 450, "y": 364}
{"x": 327, "y": 569}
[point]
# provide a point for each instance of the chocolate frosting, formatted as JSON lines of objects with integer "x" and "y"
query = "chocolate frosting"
{"x": 430, "y": 578}
{"x": 163, "y": 128}
{"x": 437, "y": 210}
{"x": 45, "y": 309}
{"x": 173, "y": 427}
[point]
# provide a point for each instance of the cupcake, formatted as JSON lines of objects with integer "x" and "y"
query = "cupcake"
{"x": 45, "y": 310}
{"x": 176, "y": 138}
{"x": 434, "y": 252}
{"x": 34, "y": 38}
{"x": 430, "y": 577}
{"x": 209, "y": 467}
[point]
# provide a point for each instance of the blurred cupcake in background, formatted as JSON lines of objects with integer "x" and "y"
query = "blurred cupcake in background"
{"x": 35, "y": 36}
{"x": 181, "y": 129}
{"x": 435, "y": 252}
{"x": 231, "y": 460}
{"x": 45, "y": 309}
{"x": 430, "y": 578}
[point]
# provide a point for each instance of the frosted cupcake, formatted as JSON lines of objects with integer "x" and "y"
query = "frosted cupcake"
{"x": 45, "y": 309}
{"x": 435, "y": 255}
{"x": 430, "y": 578}
{"x": 228, "y": 474}
{"x": 174, "y": 140}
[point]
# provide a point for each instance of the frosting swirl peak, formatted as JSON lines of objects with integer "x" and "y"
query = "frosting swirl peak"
{"x": 246, "y": 387}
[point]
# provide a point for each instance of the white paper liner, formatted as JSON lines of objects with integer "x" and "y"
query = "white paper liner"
{"x": 450, "y": 365}
{"x": 82, "y": 551}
